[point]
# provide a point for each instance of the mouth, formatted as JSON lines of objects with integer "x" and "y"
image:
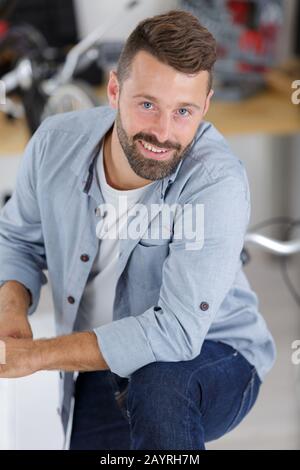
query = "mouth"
{"x": 151, "y": 151}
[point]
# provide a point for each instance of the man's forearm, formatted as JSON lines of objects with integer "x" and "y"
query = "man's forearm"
{"x": 75, "y": 352}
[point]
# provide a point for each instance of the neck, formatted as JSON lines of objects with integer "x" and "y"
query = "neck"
{"x": 118, "y": 172}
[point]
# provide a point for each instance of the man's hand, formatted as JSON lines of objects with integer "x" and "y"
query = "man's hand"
{"x": 15, "y": 325}
{"x": 75, "y": 352}
{"x": 19, "y": 357}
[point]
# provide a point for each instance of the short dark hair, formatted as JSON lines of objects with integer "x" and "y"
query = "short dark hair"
{"x": 176, "y": 38}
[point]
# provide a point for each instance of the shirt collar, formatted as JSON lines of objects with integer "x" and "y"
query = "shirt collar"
{"x": 103, "y": 119}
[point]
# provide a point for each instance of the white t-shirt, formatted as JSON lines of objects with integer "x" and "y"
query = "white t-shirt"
{"x": 96, "y": 306}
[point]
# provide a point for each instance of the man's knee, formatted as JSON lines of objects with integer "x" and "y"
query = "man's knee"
{"x": 162, "y": 384}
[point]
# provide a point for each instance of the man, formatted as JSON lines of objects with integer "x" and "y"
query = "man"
{"x": 153, "y": 312}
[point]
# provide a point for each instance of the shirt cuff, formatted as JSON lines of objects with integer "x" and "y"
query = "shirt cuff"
{"x": 124, "y": 346}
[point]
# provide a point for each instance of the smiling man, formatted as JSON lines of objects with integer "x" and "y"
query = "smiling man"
{"x": 162, "y": 328}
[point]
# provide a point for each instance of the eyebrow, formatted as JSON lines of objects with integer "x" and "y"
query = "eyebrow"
{"x": 152, "y": 98}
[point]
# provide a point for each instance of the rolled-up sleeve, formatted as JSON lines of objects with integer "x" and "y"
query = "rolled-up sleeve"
{"x": 22, "y": 252}
{"x": 195, "y": 281}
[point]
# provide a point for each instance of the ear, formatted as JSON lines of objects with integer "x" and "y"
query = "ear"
{"x": 207, "y": 102}
{"x": 113, "y": 89}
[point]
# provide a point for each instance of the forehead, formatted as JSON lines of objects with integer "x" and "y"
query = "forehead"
{"x": 150, "y": 76}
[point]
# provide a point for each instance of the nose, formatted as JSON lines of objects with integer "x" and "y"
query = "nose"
{"x": 161, "y": 127}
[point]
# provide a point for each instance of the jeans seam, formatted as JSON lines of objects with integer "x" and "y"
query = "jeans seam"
{"x": 189, "y": 436}
{"x": 248, "y": 390}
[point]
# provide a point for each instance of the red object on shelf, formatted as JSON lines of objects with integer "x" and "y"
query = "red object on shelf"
{"x": 3, "y": 27}
{"x": 239, "y": 11}
{"x": 252, "y": 40}
{"x": 244, "y": 67}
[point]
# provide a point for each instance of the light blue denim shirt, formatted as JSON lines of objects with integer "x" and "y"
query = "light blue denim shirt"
{"x": 172, "y": 293}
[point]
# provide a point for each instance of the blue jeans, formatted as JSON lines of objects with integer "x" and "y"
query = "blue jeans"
{"x": 165, "y": 405}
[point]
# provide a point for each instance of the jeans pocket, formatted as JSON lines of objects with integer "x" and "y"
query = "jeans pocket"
{"x": 248, "y": 399}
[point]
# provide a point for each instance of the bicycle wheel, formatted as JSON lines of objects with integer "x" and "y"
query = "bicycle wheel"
{"x": 73, "y": 96}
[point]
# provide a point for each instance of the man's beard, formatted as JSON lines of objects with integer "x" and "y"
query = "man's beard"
{"x": 143, "y": 166}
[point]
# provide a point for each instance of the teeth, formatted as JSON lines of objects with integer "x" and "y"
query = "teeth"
{"x": 153, "y": 149}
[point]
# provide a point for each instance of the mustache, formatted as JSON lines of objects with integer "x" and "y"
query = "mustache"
{"x": 153, "y": 141}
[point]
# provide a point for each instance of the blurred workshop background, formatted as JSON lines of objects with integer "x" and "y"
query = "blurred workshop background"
{"x": 55, "y": 56}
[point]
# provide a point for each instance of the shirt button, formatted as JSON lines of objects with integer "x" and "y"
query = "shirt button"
{"x": 98, "y": 211}
{"x": 71, "y": 299}
{"x": 204, "y": 306}
{"x": 84, "y": 258}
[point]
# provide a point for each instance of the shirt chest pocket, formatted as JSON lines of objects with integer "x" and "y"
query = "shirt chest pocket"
{"x": 158, "y": 233}
{"x": 146, "y": 263}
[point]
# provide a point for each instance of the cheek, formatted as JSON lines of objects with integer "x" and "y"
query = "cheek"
{"x": 129, "y": 124}
{"x": 139, "y": 122}
{"x": 185, "y": 132}
{"x": 135, "y": 120}
{"x": 144, "y": 118}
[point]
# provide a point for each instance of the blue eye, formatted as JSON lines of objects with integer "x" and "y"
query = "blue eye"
{"x": 147, "y": 105}
{"x": 184, "y": 113}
